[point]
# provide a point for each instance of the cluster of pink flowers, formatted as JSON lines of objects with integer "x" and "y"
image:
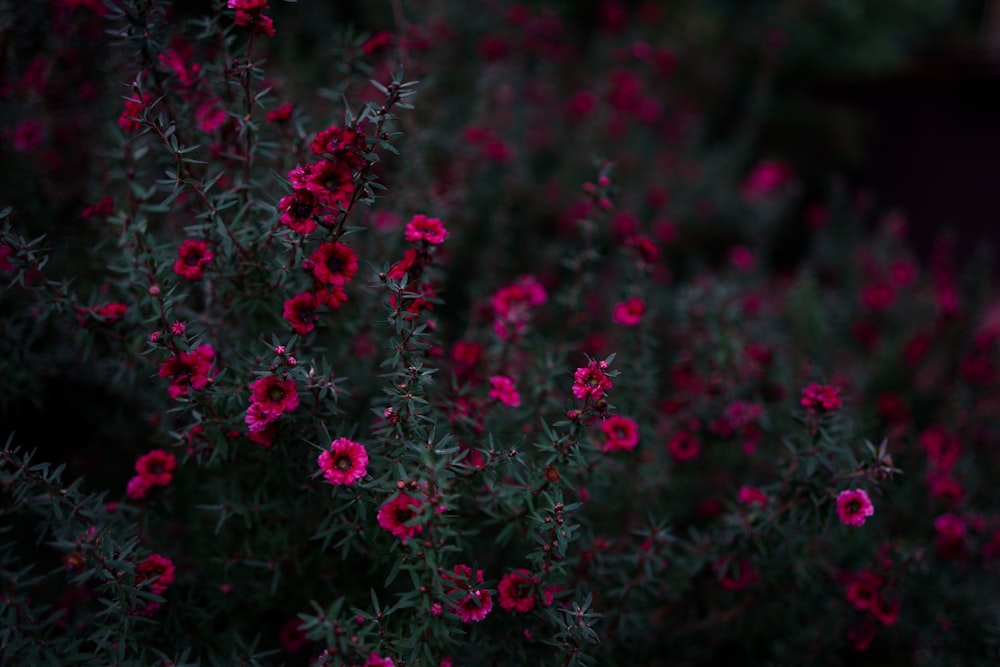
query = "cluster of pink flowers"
{"x": 345, "y": 462}
{"x": 270, "y": 398}
{"x": 465, "y": 597}
{"x": 854, "y": 507}
{"x": 154, "y": 468}
{"x": 188, "y": 370}
{"x": 513, "y": 305}
{"x": 321, "y": 189}
{"x": 817, "y": 398}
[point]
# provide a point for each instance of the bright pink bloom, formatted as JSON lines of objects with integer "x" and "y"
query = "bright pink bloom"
{"x": 591, "y": 381}
{"x": 820, "y": 398}
{"x": 192, "y": 258}
{"x": 502, "y": 389}
{"x": 274, "y": 396}
{"x": 334, "y": 263}
{"x": 854, "y": 507}
{"x": 476, "y": 603}
{"x": 422, "y": 228}
{"x": 300, "y": 311}
{"x": 621, "y": 433}
{"x": 345, "y": 462}
{"x": 210, "y": 115}
{"x": 684, "y": 446}
{"x": 517, "y": 591}
{"x": 157, "y": 466}
{"x": 395, "y": 514}
{"x": 629, "y": 312}
{"x": 188, "y": 370}
{"x": 344, "y": 144}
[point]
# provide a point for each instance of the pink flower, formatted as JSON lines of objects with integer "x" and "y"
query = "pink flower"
{"x": 192, "y": 258}
{"x": 502, "y": 389}
{"x": 474, "y": 604}
{"x": 345, "y": 462}
{"x": 138, "y": 487}
{"x": 158, "y": 568}
{"x": 300, "y": 311}
{"x": 863, "y": 590}
{"x": 274, "y": 396}
{"x": 334, "y": 263}
{"x": 742, "y": 258}
{"x": 751, "y": 495}
{"x": 854, "y": 507}
{"x": 591, "y": 381}
{"x": 629, "y": 312}
{"x": 299, "y": 210}
{"x": 517, "y": 591}
{"x": 684, "y": 446}
{"x": 188, "y": 370}
{"x": 621, "y": 433}
{"x": 422, "y": 228}
{"x": 375, "y": 660}
{"x": 820, "y": 398}
{"x": 246, "y": 5}
{"x": 512, "y": 306}
{"x": 281, "y": 114}
{"x": 395, "y": 514}
{"x": 134, "y": 108}
{"x": 157, "y": 467}
{"x": 210, "y": 115}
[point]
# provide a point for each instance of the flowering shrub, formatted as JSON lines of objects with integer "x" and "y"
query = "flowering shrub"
{"x": 462, "y": 357}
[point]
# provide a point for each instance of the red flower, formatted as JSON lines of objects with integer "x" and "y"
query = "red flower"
{"x": 344, "y": 144}
{"x": 863, "y": 590}
{"x": 192, "y": 258}
{"x": 300, "y": 311}
{"x": 629, "y": 312}
{"x": 298, "y": 210}
{"x": 750, "y": 495}
{"x": 591, "y": 381}
{"x": 395, "y": 514}
{"x": 474, "y": 604}
{"x": 188, "y": 370}
{"x": 156, "y": 467}
{"x": 820, "y": 398}
{"x": 854, "y": 507}
{"x": 334, "y": 263}
{"x": 274, "y": 396}
{"x": 517, "y": 591}
{"x": 622, "y": 434}
{"x": 684, "y": 446}
{"x": 345, "y": 462}
{"x": 429, "y": 230}
{"x": 502, "y": 389}
{"x": 158, "y": 568}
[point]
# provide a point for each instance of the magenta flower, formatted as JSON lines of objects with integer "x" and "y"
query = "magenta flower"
{"x": 818, "y": 398}
{"x": 395, "y": 514}
{"x": 274, "y": 396}
{"x": 591, "y": 381}
{"x": 192, "y": 258}
{"x": 854, "y": 507}
{"x": 422, "y": 228}
{"x": 621, "y": 433}
{"x": 334, "y": 263}
{"x": 345, "y": 462}
{"x": 629, "y": 312}
{"x": 502, "y": 389}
